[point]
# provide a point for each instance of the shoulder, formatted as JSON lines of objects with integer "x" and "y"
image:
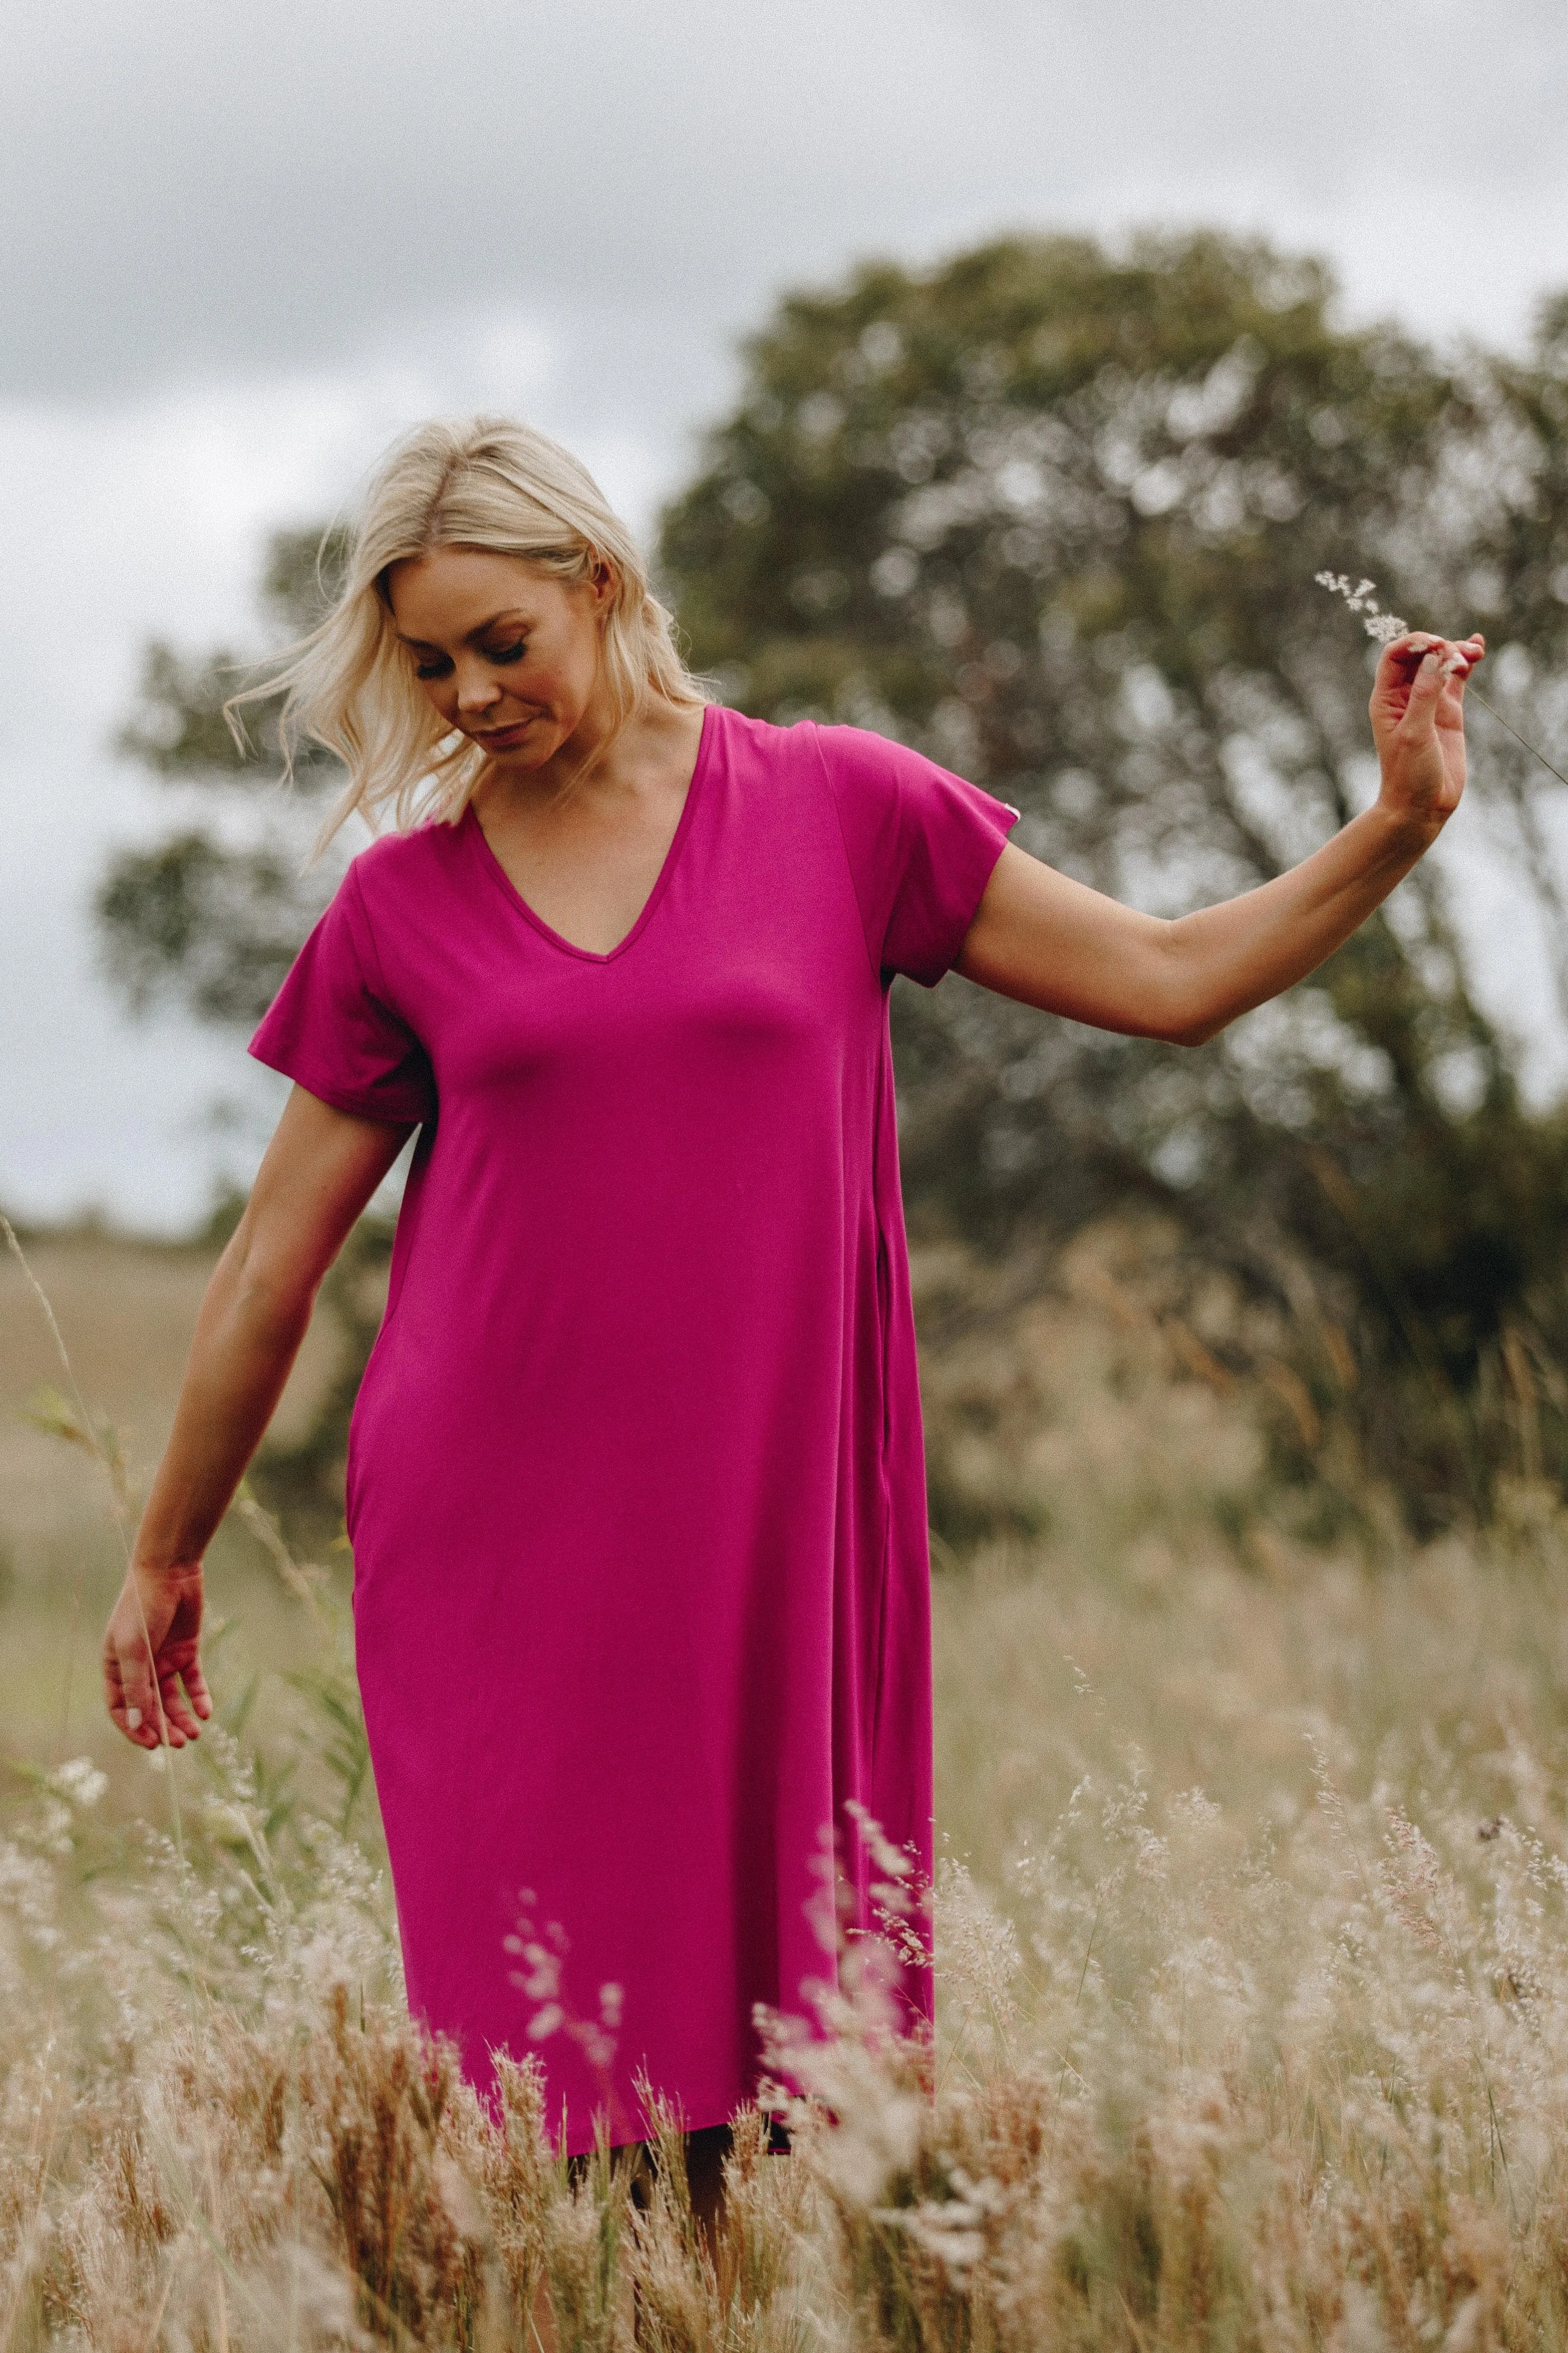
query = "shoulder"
{"x": 810, "y": 739}
{"x": 852, "y": 751}
{"x": 397, "y": 888}
{"x": 393, "y": 860}
{"x": 874, "y": 775}
{"x": 852, "y": 759}
{"x": 872, "y": 778}
{"x": 883, "y": 790}
{"x": 745, "y": 740}
{"x": 398, "y": 869}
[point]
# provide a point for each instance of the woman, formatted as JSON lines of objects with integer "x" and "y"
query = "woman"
{"x": 636, "y": 1485}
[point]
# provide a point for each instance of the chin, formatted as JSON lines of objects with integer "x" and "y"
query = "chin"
{"x": 529, "y": 753}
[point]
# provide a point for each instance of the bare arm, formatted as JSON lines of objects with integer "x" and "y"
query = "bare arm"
{"x": 1052, "y": 942}
{"x": 319, "y": 1169}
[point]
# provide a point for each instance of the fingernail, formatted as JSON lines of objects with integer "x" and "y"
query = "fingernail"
{"x": 134, "y": 1719}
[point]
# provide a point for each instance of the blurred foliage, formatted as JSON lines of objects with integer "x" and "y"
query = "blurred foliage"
{"x": 209, "y": 921}
{"x": 1053, "y": 516}
{"x": 218, "y": 924}
{"x": 304, "y": 1480}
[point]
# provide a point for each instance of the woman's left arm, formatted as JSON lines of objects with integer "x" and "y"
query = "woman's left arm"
{"x": 1047, "y": 941}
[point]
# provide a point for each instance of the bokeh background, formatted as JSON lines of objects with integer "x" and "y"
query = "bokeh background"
{"x": 245, "y": 245}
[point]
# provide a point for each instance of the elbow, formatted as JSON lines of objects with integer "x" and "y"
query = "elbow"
{"x": 267, "y": 1291}
{"x": 1184, "y": 991}
{"x": 1186, "y": 1022}
{"x": 1197, "y": 1032}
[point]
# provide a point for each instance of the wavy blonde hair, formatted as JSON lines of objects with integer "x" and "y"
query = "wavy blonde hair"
{"x": 488, "y": 482}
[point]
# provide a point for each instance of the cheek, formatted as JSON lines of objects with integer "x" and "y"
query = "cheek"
{"x": 584, "y": 664}
{"x": 562, "y": 680}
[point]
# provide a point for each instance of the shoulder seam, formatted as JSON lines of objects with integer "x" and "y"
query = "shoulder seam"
{"x": 374, "y": 944}
{"x": 844, "y": 846}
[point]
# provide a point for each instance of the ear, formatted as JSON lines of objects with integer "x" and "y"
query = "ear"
{"x": 603, "y": 581}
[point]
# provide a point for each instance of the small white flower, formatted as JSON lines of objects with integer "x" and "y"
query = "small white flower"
{"x": 79, "y": 1780}
{"x": 1361, "y": 599}
{"x": 544, "y": 2023}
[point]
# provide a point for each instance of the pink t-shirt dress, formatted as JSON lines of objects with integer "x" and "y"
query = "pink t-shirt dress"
{"x": 635, "y": 1483}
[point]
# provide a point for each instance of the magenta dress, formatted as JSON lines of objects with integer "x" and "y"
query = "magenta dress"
{"x": 635, "y": 1484}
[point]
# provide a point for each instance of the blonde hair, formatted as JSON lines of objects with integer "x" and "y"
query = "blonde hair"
{"x": 488, "y": 482}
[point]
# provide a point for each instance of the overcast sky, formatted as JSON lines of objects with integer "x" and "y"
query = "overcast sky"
{"x": 243, "y": 246}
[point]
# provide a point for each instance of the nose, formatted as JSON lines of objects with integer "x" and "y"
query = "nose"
{"x": 476, "y": 690}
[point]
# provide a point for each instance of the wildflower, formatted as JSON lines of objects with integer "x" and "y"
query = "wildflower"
{"x": 1384, "y": 626}
{"x": 80, "y": 1780}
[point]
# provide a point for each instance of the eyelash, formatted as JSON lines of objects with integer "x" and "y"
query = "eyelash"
{"x": 507, "y": 654}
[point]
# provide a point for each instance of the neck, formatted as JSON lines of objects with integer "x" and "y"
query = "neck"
{"x": 599, "y": 763}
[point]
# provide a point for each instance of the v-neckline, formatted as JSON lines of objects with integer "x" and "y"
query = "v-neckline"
{"x": 499, "y": 875}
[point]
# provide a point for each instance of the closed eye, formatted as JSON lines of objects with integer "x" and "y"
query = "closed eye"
{"x": 499, "y": 658}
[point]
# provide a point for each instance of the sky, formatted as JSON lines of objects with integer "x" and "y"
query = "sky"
{"x": 244, "y": 247}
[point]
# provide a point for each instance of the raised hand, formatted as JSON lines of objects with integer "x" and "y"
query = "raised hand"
{"x": 152, "y": 1678}
{"x": 1419, "y": 723}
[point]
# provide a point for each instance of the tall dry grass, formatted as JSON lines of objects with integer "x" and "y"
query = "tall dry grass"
{"x": 1251, "y": 1940}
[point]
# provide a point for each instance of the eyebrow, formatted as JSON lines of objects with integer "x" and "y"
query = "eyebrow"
{"x": 424, "y": 645}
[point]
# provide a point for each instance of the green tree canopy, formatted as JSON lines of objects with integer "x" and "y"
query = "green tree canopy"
{"x": 1054, "y": 516}
{"x": 207, "y": 921}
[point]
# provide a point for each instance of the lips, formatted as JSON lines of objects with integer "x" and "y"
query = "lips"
{"x": 499, "y": 735}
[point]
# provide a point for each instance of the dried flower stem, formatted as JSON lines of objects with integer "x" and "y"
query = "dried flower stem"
{"x": 92, "y": 1440}
{"x": 1386, "y": 627}
{"x": 1475, "y": 693}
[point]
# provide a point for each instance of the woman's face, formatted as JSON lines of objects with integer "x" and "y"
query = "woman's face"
{"x": 505, "y": 652}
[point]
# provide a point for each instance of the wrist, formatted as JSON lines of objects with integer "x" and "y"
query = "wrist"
{"x": 155, "y": 1568}
{"x": 1409, "y": 831}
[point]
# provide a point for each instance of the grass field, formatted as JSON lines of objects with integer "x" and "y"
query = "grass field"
{"x": 1252, "y": 1964}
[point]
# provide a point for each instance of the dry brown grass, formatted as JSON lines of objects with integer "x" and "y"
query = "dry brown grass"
{"x": 1251, "y": 1925}
{"x": 128, "y": 1308}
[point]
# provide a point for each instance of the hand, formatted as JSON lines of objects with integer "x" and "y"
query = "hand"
{"x": 150, "y": 1650}
{"x": 1418, "y": 724}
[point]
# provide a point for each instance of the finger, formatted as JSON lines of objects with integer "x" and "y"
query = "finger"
{"x": 179, "y": 1723}
{"x": 128, "y": 1719}
{"x": 1409, "y": 651}
{"x": 1426, "y": 688}
{"x": 133, "y": 1724}
{"x": 139, "y": 1697}
{"x": 1398, "y": 671}
{"x": 196, "y": 1689}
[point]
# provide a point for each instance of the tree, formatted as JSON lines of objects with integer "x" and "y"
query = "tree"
{"x": 209, "y": 923}
{"x": 1054, "y": 516}
{"x": 214, "y": 923}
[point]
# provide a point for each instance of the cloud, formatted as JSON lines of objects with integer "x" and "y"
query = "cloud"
{"x": 191, "y": 188}
{"x": 245, "y": 245}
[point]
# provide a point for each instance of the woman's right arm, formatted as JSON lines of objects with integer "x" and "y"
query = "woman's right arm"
{"x": 319, "y": 1170}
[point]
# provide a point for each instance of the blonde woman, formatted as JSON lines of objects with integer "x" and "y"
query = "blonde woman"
{"x": 635, "y": 1486}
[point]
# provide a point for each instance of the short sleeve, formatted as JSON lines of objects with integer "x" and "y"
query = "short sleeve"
{"x": 921, "y": 844}
{"x": 331, "y": 1028}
